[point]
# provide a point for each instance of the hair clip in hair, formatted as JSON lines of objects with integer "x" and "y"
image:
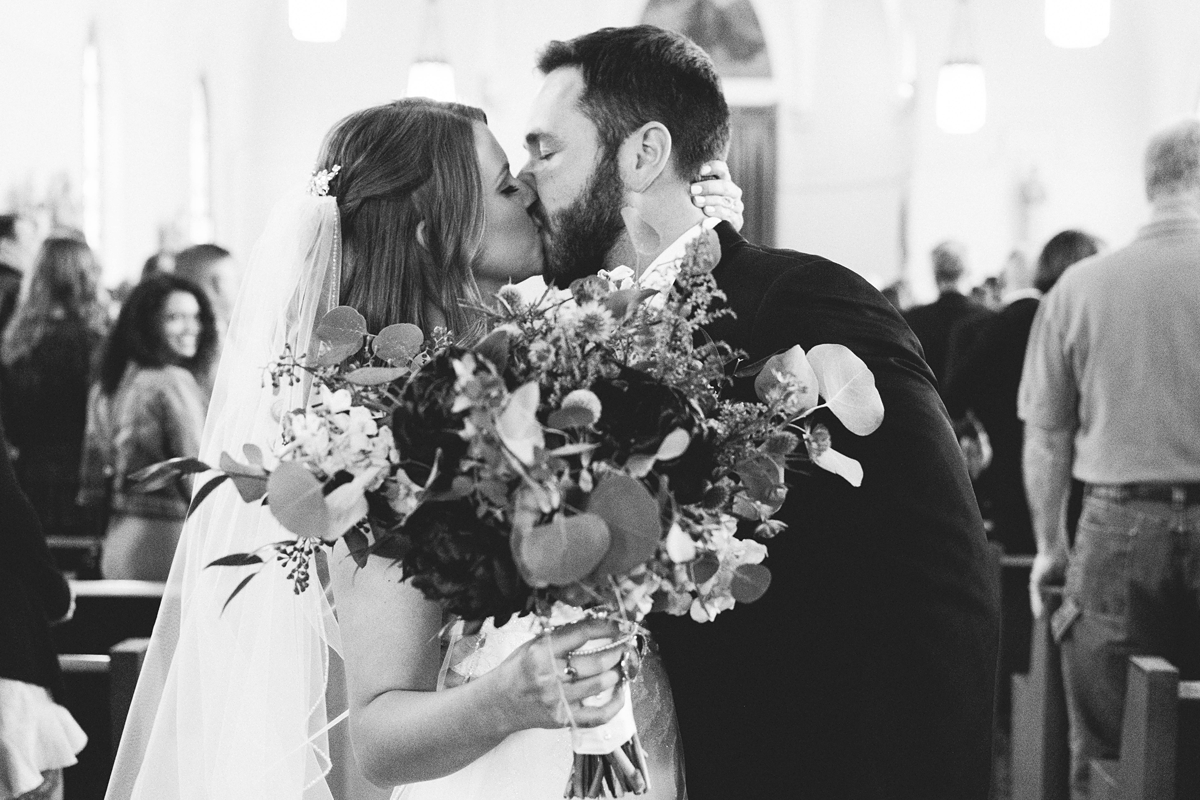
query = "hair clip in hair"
{"x": 318, "y": 184}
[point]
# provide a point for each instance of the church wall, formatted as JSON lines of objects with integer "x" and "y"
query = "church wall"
{"x": 854, "y": 148}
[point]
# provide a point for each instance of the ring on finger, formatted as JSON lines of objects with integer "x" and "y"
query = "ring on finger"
{"x": 570, "y": 672}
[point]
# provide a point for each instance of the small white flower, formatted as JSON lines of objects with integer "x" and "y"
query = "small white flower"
{"x": 335, "y": 402}
{"x": 680, "y": 547}
{"x": 621, "y": 277}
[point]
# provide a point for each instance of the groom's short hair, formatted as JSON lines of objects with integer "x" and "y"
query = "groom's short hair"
{"x": 642, "y": 74}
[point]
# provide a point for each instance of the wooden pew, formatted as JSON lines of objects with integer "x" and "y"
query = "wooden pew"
{"x": 108, "y": 612}
{"x": 1040, "y": 753}
{"x": 98, "y": 688}
{"x": 1153, "y": 741}
{"x": 96, "y": 662}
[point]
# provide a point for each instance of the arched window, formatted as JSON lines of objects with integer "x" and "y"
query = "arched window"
{"x": 200, "y": 220}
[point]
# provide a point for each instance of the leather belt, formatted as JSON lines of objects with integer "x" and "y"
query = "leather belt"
{"x": 1186, "y": 493}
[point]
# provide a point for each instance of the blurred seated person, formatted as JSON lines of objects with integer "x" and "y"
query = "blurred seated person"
{"x": 16, "y": 246}
{"x": 896, "y": 294}
{"x": 212, "y": 268}
{"x": 157, "y": 264}
{"x": 47, "y": 354}
{"x": 934, "y": 323}
{"x": 986, "y": 381}
{"x": 38, "y": 737}
{"x": 148, "y": 407}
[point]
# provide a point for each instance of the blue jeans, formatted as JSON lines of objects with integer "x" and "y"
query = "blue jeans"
{"x": 1133, "y": 588}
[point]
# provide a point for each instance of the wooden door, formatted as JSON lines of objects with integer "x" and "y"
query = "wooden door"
{"x": 752, "y": 162}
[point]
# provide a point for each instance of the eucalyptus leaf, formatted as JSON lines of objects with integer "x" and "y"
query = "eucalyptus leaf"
{"x": 623, "y": 302}
{"x": 297, "y": 501}
{"x": 839, "y": 464}
{"x": 236, "y": 560}
{"x": 249, "y": 479}
{"x": 203, "y": 492}
{"x": 495, "y": 348}
{"x": 564, "y": 550}
{"x": 398, "y": 343}
{"x": 674, "y": 445}
{"x": 517, "y": 425}
{"x": 574, "y": 449}
{"x": 253, "y": 454}
{"x": 375, "y": 376}
{"x": 164, "y": 473}
{"x": 639, "y": 466}
{"x": 763, "y": 478}
{"x": 237, "y": 590}
{"x": 359, "y": 547}
{"x": 704, "y": 567}
{"x": 341, "y": 333}
{"x": 342, "y": 325}
{"x": 791, "y": 367}
{"x": 848, "y": 387}
{"x": 750, "y": 582}
{"x": 754, "y": 367}
{"x": 329, "y": 355}
{"x": 634, "y": 521}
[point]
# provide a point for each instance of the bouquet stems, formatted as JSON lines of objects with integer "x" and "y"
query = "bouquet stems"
{"x": 615, "y": 774}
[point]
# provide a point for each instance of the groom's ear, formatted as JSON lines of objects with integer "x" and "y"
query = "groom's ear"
{"x": 645, "y": 155}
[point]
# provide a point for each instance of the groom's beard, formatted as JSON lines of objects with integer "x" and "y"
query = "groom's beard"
{"x": 580, "y": 236}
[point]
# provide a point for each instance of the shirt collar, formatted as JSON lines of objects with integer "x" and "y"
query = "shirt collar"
{"x": 664, "y": 269}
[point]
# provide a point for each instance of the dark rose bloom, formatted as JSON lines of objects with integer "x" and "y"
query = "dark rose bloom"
{"x": 637, "y": 413}
{"x": 424, "y": 428}
{"x": 690, "y": 475}
{"x": 463, "y": 562}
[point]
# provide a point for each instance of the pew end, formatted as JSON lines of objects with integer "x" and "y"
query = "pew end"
{"x": 1160, "y": 738}
{"x": 1040, "y": 752}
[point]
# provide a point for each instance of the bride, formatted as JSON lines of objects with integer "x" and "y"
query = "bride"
{"x": 414, "y": 217}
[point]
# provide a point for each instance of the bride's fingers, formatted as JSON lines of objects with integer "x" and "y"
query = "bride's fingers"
{"x": 717, "y": 168}
{"x": 589, "y": 717}
{"x": 586, "y": 687}
{"x": 574, "y": 636}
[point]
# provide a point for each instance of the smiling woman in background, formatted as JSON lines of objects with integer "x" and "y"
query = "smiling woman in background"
{"x": 148, "y": 407}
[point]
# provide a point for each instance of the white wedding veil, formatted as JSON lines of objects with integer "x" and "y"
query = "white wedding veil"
{"x": 231, "y": 704}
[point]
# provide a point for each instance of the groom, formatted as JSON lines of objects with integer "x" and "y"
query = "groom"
{"x": 867, "y": 669}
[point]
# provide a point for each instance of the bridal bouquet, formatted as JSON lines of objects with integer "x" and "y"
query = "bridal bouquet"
{"x": 581, "y": 453}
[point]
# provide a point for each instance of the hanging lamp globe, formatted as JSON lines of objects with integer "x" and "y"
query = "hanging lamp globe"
{"x": 961, "y": 97}
{"x": 317, "y": 20}
{"x": 1078, "y": 23}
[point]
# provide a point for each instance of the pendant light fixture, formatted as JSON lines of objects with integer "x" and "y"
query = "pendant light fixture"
{"x": 317, "y": 20}
{"x": 962, "y": 90}
{"x": 1078, "y": 23}
{"x": 431, "y": 75}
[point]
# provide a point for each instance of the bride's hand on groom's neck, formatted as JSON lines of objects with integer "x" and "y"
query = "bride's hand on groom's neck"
{"x": 716, "y": 195}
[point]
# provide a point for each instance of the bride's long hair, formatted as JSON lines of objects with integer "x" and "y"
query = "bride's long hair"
{"x": 402, "y": 164}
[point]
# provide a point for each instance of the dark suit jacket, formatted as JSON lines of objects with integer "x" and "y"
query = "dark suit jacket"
{"x": 986, "y": 382}
{"x": 935, "y": 326}
{"x": 10, "y": 292}
{"x": 867, "y": 669}
{"x": 32, "y": 591}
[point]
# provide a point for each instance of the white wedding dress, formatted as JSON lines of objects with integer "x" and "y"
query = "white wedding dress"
{"x": 535, "y": 764}
{"x": 235, "y": 702}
